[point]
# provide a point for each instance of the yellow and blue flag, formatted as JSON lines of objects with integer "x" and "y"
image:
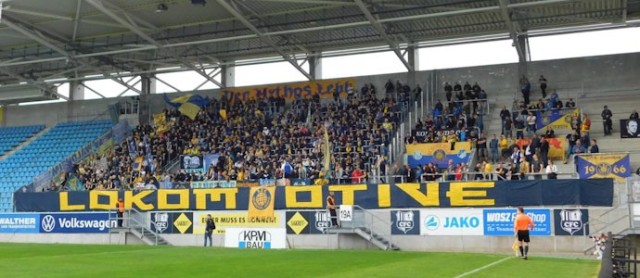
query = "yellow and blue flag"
{"x": 189, "y": 105}
{"x": 261, "y": 200}
{"x": 557, "y": 119}
{"x": 594, "y": 166}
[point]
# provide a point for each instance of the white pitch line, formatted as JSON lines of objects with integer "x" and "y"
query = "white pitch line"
{"x": 483, "y": 267}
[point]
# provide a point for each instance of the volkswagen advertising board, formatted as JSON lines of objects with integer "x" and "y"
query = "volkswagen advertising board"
{"x": 76, "y": 223}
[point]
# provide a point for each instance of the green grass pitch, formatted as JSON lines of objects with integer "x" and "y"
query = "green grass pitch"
{"x": 92, "y": 261}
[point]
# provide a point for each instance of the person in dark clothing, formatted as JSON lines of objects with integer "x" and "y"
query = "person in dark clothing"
{"x": 331, "y": 206}
{"x": 448, "y": 91}
{"x": 543, "y": 86}
{"x": 120, "y": 207}
{"x": 634, "y": 115}
{"x": 607, "y": 121}
{"x": 594, "y": 146}
{"x": 210, "y": 226}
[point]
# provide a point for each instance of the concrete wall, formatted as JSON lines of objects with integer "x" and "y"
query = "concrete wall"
{"x": 571, "y": 77}
{"x": 558, "y": 245}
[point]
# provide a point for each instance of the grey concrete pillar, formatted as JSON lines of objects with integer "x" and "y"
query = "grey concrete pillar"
{"x": 148, "y": 84}
{"x": 315, "y": 66}
{"x": 76, "y": 92}
{"x": 228, "y": 75}
{"x": 413, "y": 59}
{"x": 523, "y": 58}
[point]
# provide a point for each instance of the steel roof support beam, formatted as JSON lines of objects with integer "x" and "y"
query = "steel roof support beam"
{"x": 514, "y": 30}
{"x": 265, "y": 37}
{"x": 34, "y": 34}
{"x": 293, "y": 31}
{"x": 383, "y": 33}
{"x": 59, "y": 17}
{"x": 91, "y": 89}
{"x": 131, "y": 24}
{"x": 35, "y": 83}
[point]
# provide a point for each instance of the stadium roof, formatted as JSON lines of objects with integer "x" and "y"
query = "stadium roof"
{"x": 43, "y": 40}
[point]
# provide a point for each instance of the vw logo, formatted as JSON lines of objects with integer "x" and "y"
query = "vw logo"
{"x": 48, "y": 223}
{"x": 432, "y": 222}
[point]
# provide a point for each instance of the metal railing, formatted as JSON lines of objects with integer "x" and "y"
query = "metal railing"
{"x": 375, "y": 225}
{"x": 136, "y": 221}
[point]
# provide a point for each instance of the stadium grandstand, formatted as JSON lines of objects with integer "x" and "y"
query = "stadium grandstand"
{"x": 412, "y": 112}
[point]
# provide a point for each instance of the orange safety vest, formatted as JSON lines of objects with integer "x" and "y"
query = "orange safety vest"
{"x": 121, "y": 206}
{"x": 330, "y": 201}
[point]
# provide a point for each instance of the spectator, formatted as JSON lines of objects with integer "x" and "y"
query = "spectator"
{"x": 531, "y": 123}
{"x": 572, "y": 138}
{"x": 526, "y": 89}
{"x": 607, "y": 120}
{"x": 536, "y": 168}
{"x": 570, "y": 103}
{"x": 493, "y": 146}
{"x": 594, "y": 146}
{"x": 551, "y": 170}
{"x": 448, "y": 91}
{"x": 634, "y": 115}
{"x": 543, "y": 85}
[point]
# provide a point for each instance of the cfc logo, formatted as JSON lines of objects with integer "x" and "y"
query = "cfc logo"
{"x": 404, "y": 220}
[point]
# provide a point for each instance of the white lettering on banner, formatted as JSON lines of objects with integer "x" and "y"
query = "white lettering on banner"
{"x": 505, "y": 217}
{"x": 451, "y": 222}
{"x": 75, "y": 223}
{"x": 28, "y": 221}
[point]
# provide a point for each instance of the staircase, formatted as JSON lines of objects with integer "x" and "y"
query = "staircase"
{"x": 369, "y": 227}
{"x": 135, "y": 224}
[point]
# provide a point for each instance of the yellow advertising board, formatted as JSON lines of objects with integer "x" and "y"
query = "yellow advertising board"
{"x": 234, "y": 219}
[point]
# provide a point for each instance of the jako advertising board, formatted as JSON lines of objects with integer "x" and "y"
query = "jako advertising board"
{"x": 19, "y": 223}
{"x": 259, "y": 238}
{"x": 499, "y": 222}
{"x": 451, "y": 222}
{"x": 76, "y": 223}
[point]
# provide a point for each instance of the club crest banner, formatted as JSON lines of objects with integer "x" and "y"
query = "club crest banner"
{"x": 438, "y": 153}
{"x": 556, "y": 118}
{"x": 261, "y": 200}
{"x": 593, "y": 166}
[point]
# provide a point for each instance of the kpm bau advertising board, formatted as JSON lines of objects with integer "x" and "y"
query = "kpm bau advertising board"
{"x": 451, "y": 222}
{"x": 257, "y": 238}
{"x": 499, "y": 222}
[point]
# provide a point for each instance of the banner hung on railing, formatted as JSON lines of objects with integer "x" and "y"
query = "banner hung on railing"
{"x": 558, "y": 119}
{"x": 556, "y": 146}
{"x": 616, "y": 166}
{"x": 192, "y": 163}
{"x": 438, "y": 153}
{"x": 292, "y": 91}
{"x": 629, "y": 128}
{"x": 592, "y": 192}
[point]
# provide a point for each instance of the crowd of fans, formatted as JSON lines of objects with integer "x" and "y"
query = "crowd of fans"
{"x": 258, "y": 139}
